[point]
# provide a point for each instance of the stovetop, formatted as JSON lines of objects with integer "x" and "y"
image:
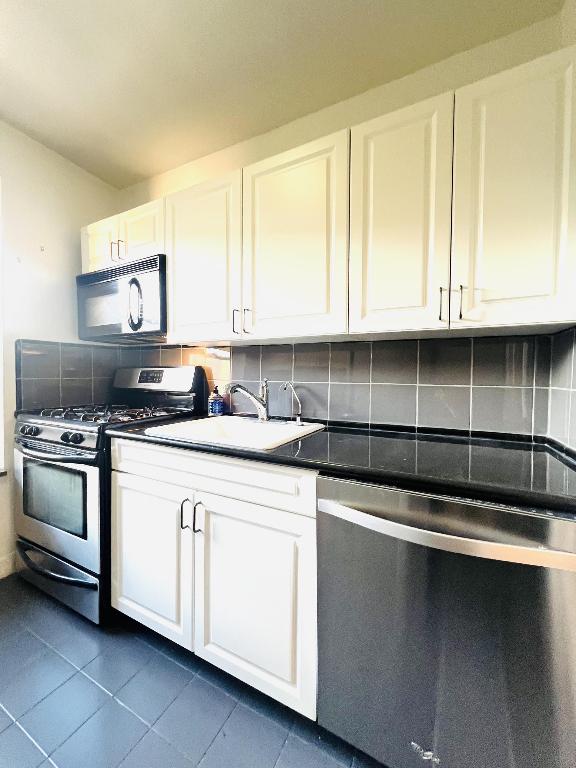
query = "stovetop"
{"x": 109, "y": 414}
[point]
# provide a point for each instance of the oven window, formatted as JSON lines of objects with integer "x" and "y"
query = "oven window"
{"x": 56, "y": 496}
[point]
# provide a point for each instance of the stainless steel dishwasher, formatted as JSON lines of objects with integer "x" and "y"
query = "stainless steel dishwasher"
{"x": 447, "y": 629}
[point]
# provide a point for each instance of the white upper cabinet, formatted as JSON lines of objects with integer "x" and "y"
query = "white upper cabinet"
{"x": 400, "y": 200}
{"x": 295, "y": 241}
{"x": 152, "y": 555}
{"x": 204, "y": 252}
{"x": 255, "y": 608}
{"x": 134, "y": 234}
{"x": 514, "y": 215}
{"x": 141, "y": 231}
{"x": 100, "y": 244}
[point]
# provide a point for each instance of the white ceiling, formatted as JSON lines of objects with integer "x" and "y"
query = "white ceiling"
{"x": 130, "y": 88}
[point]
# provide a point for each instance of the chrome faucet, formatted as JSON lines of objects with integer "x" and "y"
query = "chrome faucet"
{"x": 260, "y": 402}
{"x": 299, "y": 414}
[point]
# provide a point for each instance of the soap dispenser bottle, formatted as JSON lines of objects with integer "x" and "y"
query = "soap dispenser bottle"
{"x": 215, "y": 403}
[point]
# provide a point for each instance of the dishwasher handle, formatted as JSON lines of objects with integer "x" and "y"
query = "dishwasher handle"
{"x": 458, "y": 545}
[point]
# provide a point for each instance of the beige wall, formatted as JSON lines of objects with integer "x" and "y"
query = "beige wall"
{"x": 44, "y": 202}
{"x": 534, "y": 41}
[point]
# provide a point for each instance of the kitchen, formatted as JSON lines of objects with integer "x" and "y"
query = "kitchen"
{"x": 289, "y": 436}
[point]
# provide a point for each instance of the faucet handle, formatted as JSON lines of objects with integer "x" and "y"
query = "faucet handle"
{"x": 264, "y": 389}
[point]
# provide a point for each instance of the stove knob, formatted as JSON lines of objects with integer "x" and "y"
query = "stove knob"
{"x": 76, "y": 438}
{"x": 33, "y": 431}
{"x": 65, "y": 437}
{"x": 24, "y": 429}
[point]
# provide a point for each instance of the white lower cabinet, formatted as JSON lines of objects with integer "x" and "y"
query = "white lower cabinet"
{"x": 219, "y": 555}
{"x": 255, "y": 608}
{"x": 152, "y": 555}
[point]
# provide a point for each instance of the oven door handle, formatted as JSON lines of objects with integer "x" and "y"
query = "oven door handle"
{"x": 57, "y": 457}
{"x": 48, "y": 574}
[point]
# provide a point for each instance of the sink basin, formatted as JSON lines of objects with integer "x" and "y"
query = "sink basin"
{"x": 236, "y": 431}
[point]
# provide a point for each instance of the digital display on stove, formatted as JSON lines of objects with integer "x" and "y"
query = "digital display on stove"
{"x": 150, "y": 377}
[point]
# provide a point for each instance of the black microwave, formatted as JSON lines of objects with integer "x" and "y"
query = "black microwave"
{"x": 125, "y": 302}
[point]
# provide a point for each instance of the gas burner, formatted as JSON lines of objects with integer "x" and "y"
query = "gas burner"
{"x": 108, "y": 414}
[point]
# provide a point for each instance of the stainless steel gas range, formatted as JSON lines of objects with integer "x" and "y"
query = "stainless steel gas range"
{"x": 61, "y": 469}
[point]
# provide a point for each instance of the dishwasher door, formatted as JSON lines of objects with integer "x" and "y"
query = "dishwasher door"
{"x": 447, "y": 630}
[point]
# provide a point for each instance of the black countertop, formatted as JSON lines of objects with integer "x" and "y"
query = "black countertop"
{"x": 504, "y": 470}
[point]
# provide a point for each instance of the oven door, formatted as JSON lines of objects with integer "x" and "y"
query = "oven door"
{"x": 58, "y": 507}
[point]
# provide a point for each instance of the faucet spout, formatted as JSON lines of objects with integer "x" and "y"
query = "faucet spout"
{"x": 261, "y": 403}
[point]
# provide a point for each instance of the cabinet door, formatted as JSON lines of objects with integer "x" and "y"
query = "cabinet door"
{"x": 255, "y": 609}
{"x": 400, "y": 198}
{"x": 152, "y": 555}
{"x": 295, "y": 241}
{"x": 514, "y": 239}
{"x": 141, "y": 231}
{"x": 100, "y": 244}
{"x": 204, "y": 250}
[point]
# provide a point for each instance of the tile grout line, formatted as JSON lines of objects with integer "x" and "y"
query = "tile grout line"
{"x": 234, "y": 708}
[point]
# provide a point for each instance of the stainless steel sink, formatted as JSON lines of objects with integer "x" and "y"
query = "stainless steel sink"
{"x": 236, "y": 431}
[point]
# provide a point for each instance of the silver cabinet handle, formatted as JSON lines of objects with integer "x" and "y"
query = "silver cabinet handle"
{"x": 182, "y": 526}
{"x": 194, "y": 529}
{"x": 461, "y": 289}
{"x": 112, "y": 244}
{"x": 125, "y": 244}
{"x": 440, "y": 312}
{"x": 234, "y": 311}
{"x": 244, "y": 319}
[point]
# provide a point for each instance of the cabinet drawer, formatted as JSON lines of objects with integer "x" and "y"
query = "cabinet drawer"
{"x": 266, "y": 484}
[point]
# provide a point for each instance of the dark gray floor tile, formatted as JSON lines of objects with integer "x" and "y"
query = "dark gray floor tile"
{"x": 154, "y": 688}
{"x": 116, "y": 666}
{"x": 103, "y": 741}
{"x": 154, "y": 752}
{"x": 247, "y": 740}
{"x": 266, "y": 706}
{"x": 69, "y": 634}
{"x": 5, "y": 721}
{"x": 16, "y": 652}
{"x": 326, "y": 742}
{"x": 34, "y": 682}
{"x": 17, "y": 751}
{"x": 192, "y": 721}
{"x": 363, "y": 761}
{"x": 171, "y": 650}
{"x": 56, "y": 718}
{"x": 299, "y": 754}
{"x": 230, "y": 685}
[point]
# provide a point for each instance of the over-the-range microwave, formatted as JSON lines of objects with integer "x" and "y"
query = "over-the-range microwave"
{"x": 126, "y": 302}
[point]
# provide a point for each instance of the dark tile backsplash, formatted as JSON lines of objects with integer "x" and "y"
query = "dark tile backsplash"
{"x": 496, "y": 384}
{"x": 520, "y": 384}
{"x": 52, "y": 374}
{"x": 49, "y": 374}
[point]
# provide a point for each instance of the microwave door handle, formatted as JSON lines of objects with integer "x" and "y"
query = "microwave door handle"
{"x": 135, "y": 323}
{"x": 54, "y": 457}
{"x": 48, "y": 574}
